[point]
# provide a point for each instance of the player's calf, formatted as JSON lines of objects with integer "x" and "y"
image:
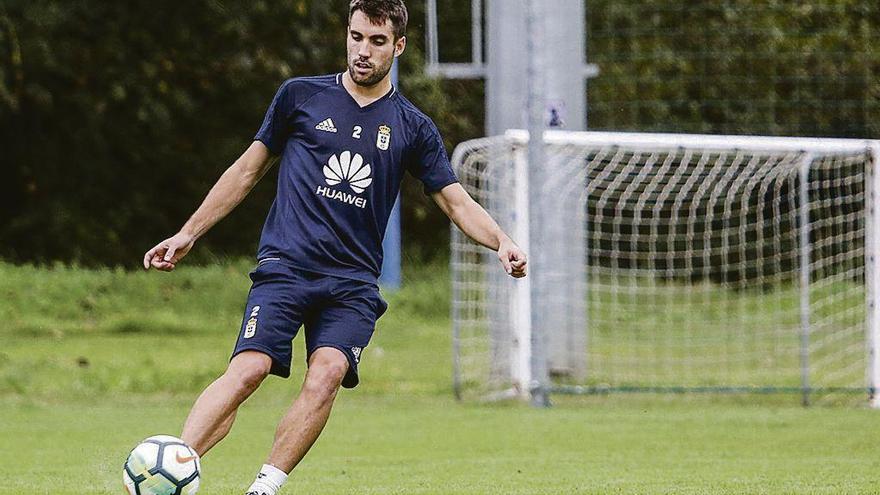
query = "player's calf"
{"x": 212, "y": 415}
{"x": 304, "y": 421}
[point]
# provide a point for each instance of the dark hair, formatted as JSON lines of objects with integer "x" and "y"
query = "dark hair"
{"x": 378, "y": 11}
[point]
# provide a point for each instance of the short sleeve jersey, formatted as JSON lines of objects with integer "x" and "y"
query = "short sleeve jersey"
{"x": 340, "y": 173}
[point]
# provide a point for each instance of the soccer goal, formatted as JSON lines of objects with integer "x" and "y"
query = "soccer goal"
{"x": 672, "y": 263}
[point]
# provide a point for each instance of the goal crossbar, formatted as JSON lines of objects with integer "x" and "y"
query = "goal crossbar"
{"x": 665, "y": 142}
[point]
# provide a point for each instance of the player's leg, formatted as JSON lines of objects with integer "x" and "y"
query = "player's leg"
{"x": 271, "y": 320}
{"x": 334, "y": 341}
{"x": 305, "y": 419}
{"x": 213, "y": 413}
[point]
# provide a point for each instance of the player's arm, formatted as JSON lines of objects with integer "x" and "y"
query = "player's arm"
{"x": 476, "y": 223}
{"x": 232, "y": 187}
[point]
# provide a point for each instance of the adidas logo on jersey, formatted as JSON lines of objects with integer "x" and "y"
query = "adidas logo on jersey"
{"x": 326, "y": 125}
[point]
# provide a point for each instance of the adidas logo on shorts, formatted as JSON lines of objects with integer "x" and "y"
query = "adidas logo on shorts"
{"x": 326, "y": 125}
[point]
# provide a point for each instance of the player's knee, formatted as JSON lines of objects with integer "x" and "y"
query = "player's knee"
{"x": 325, "y": 375}
{"x": 249, "y": 379}
{"x": 248, "y": 369}
{"x": 320, "y": 385}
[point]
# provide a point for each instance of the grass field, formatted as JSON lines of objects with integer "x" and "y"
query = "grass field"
{"x": 95, "y": 360}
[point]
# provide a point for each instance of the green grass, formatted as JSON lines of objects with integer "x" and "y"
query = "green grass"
{"x": 707, "y": 335}
{"x": 401, "y": 445}
{"x": 95, "y": 360}
{"x": 93, "y": 333}
{"x": 643, "y": 332}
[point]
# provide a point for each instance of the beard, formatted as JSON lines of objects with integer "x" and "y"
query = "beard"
{"x": 371, "y": 78}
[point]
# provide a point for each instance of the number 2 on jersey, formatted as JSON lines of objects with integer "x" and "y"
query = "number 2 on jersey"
{"x": 357, "y": 132}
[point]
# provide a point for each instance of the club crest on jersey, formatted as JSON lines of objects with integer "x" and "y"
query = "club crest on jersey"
{"x": 383, "y": 140}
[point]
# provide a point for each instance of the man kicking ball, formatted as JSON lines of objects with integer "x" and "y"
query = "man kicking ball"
{"x": 345, "y": 141}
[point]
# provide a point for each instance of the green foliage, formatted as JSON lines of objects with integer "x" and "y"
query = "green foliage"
{"x": 779, "y": 68}
{"x": 116, "y": 118}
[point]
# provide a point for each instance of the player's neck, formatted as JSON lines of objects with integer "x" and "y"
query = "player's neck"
{"x": 365, "y": 95}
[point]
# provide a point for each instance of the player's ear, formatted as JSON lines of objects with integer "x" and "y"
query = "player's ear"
{"x": 399, "y": 46}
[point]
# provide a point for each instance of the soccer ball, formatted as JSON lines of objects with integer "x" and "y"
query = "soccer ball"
{"x": 162, "y": 465}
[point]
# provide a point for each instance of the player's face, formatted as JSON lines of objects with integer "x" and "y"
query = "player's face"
{"x": 371, "y": 49}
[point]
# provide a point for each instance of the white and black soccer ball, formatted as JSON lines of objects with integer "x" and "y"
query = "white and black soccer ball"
{"x": 162, "y": 465}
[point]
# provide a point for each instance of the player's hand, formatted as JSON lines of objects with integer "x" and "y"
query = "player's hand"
{"x": 513, "y": 258}
{"x": 165, "y": 255}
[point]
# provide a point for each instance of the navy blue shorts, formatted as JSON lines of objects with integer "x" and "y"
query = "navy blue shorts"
{"x": 336, "y": 312}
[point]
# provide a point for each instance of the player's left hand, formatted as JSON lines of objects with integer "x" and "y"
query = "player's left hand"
{"x": 513, "y": 258}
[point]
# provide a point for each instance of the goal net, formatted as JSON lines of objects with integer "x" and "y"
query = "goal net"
{"x": 669, "y": 263}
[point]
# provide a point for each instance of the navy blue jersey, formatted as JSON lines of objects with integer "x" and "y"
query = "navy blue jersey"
{"x": 341, "y": 169}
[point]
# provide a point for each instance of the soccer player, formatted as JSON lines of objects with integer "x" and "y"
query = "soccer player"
{"x": 345, "y": 141}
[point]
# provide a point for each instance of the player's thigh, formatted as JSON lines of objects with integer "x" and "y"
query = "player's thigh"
{"x": 346, "y": 323}
{"x": 277, "y": 301}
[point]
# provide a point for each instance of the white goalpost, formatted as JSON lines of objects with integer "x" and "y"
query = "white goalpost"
{"x": 672, "y": 263}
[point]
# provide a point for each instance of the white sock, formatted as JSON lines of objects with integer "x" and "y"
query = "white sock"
{"x": 269, "y": 480}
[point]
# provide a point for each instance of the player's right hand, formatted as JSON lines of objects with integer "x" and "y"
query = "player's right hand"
{"x": 165, "y": 255}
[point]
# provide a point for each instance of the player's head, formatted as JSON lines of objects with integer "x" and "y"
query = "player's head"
{"x": 376, "y": 34}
